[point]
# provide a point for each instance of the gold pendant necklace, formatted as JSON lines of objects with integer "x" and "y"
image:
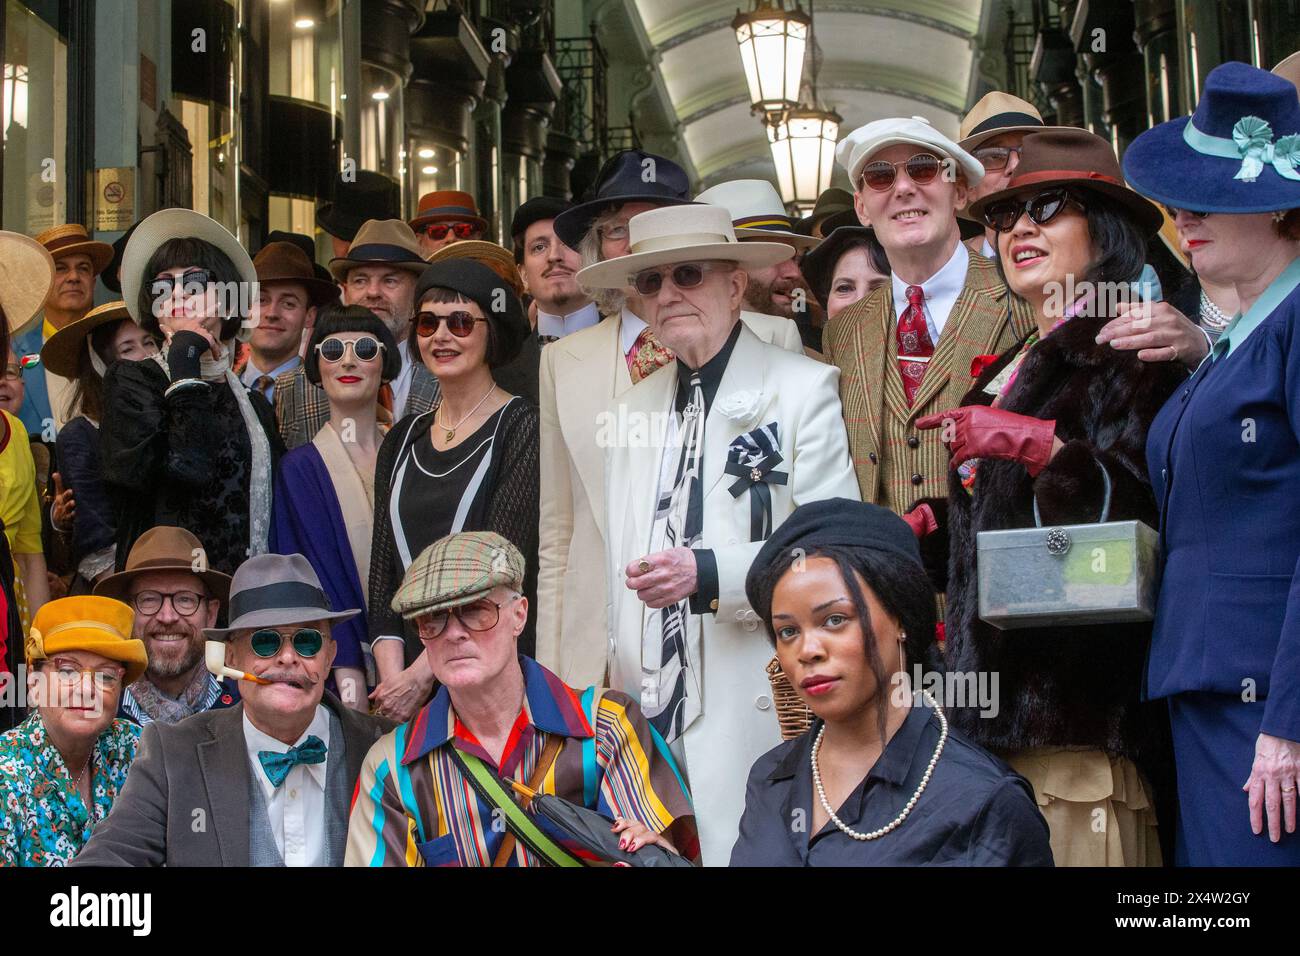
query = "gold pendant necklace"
{"x": 451, "y": 432}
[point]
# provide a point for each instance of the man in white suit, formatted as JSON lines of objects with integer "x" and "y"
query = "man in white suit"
{"x": 704, "y": 458}
{"x": 580, "y": 374}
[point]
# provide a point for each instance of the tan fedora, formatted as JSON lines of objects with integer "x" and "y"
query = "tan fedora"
{"x": 61, "y": 353}
{"x": 495, "y": 257}
{"x": 689, "y": 233}
{"x": 381, "y": 242}
{"x": 164, "y": 548}
{"x": 71, "y": 239}
{"x": 26, "y": 277}
{"x": 997, "y": 113}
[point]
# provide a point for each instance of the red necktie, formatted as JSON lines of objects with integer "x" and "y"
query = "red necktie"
{"x": 913, "y": 343}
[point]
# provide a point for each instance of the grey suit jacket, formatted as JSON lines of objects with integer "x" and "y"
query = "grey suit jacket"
{"x": 185, "y": 800}
{"x": 301, "y": 408}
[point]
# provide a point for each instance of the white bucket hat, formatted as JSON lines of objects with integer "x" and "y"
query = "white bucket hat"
{"x": 756, "y": 211}
{"x": 864, "y": 142}
{"x": 689, "y": 233}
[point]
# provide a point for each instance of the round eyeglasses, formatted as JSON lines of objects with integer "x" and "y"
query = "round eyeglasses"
{"x": 307, "y": 641}
{"x": 365, "y": 348}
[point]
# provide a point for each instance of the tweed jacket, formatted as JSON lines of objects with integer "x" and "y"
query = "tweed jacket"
{"x": 302, "y": 409}
{"x": 896, "y": 464}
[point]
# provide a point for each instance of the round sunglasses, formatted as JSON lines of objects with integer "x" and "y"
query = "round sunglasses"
{"x": 459, "y": 323}
{"x": 438, "y": 230}
{"x": 1041, "y": 208}
{"x": 307, "y": 641}
{"x": 880, "y": 175}
{"x": 685, "y": 275}
{"x": 365, "y": 348}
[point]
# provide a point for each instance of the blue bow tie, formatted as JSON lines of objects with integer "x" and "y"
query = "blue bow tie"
{"x": 277, "y": 765}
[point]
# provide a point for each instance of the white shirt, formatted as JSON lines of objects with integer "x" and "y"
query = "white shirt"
{"x": 941, "y": 291}
{"x": 630, "y": 330}
{"x": 561, "y": 325}
{"x": 296, "y": 808}
{"x": 402, "y": 384}
{"x": 988, "y": 249}
{"x": 252, "y": 373}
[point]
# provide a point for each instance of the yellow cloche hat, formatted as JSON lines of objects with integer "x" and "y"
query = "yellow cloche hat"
{"x": 87, "y": 623}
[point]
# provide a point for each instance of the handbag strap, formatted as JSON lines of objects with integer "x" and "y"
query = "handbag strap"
{"x": 549, "y": 753}
{"x": 488, "y": 785}
{"x": 1105, "y": 501}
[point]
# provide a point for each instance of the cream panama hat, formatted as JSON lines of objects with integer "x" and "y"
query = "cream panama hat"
{"x": 689, "y": 233}
{"x": 26, "y": 277}
{"x": 168, "y": 224}
{"x": 756, "y": 211}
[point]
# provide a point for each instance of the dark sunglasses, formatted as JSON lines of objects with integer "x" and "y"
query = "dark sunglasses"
{"x": 480, "y": 615}
{"x": 192, "y": 282}
{"x": 920, "y": 169}
{"x": 1041, "y": 208}
{"x": 459, "y": 323}
{"x": 307, "y": 641}
{"x": 993, "y": 158}
{"x": 439, "y": 230}
{"x": 1174, "y": 211}
{"x": 685, "y": 275}
{"x": 366, "y": 348}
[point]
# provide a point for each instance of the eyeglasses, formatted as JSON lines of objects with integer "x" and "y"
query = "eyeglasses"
{"x": 459, "y": 323}
{"x": 192, "y": 282}
{"x": 184, "y": 603}
{"x": 365, "y": 348}
{"x": 439, "y": 230}
{"x": 920, "y": 169}
{"x": 993, "y": 158}
{"x": 1041, "y": 209}
{"x": 69, "y": 673}
{"x": 617, "y": 232}
{"x": 685, "y": 275}
{"x": 480, "y": 615}
{"x": 13, "y": 372}
{"x": 307, "y": 641}
{"x": 1173, "y": 212}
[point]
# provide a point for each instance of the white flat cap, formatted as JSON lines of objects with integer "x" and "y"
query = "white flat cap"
{"x": 854, "y": 150}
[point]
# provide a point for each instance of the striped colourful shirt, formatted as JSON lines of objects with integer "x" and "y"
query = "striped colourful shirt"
{"x": 414, "y": 807}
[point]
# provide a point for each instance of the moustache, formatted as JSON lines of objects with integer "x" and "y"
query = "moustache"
{"x": 286, "y": 676}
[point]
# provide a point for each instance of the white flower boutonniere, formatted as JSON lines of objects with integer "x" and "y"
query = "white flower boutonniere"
{"x": 742, "y": 407}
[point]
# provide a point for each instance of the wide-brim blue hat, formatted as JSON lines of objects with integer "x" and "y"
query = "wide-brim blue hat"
{"x": 1238, "y": 153}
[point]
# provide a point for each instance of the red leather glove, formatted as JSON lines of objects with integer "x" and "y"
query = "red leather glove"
{"x": 921, "y": 520}
{"x": 981, "y": 431}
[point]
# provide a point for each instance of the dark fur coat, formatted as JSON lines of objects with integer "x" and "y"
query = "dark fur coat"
{"x": 1065, "y": 686}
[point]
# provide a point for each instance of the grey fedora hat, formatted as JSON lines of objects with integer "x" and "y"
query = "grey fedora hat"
{"x": 273, "y": 590}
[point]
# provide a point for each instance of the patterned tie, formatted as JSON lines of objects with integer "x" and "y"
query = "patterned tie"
{"x": 277, "y": 765}
{"x": 914, "y": 345}
{"x": 263, "y": 383}
{"x": 647, "y": 355}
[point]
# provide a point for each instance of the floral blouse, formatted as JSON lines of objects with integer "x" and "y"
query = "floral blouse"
{"x": 43, "y": 820}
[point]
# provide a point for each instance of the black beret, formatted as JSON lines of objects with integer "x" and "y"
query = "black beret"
{"x": 489, "y": 292}
{"x": 535, "y": 210}
{"x": 833, "y": 522}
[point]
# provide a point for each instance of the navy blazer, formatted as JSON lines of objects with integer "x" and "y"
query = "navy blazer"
{"x": 1224, "y": 459}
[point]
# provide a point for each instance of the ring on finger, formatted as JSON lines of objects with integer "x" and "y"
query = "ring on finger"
{"x": 643, "y": 566}
{"x": 1174, "y": 348}
{"x": 1288, "y": 789}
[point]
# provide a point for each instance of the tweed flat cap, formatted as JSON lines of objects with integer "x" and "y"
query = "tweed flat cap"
{"x": 456, "y": 570}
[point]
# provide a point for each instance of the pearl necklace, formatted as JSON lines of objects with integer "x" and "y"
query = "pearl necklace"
{"x": 898, "y": 820}
{"x": 1213, "y": 317}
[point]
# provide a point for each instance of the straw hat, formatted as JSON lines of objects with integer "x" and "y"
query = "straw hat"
{"x": 99, "y": 625}
{"x": 167, "y": 224}
{"x": 997, "y": 113}
{"x": 756, "y": 211}
{"x": 71, "y": 239}
{"x": 490, "y": 254}
{"x": 26, "y": 277}
{"x": 685, "y": 233}
{"x": 61, "y": 353}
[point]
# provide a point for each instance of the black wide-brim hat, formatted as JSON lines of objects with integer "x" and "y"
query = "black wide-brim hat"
{"x": 818, "y": 265}
{"x": 632, "y": 175}
{"x": 372, "y": 196}
{"x": 1080, "y": 160}
{"x": 1238, "y": 153}
{"x": 489, "y": 292}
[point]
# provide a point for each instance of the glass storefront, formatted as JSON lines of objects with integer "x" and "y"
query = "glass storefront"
{"x": 382, "y": 123}
{"x": 35, "y": 122}
{"x": 208, "y": 106}
{"x": 432, "y": 167}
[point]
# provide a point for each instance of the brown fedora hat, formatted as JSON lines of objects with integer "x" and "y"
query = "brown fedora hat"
{"x": 1080, "y": 160}
{"x": 164, "y": 548}
{"x": 70, "y": 239}
{"x": 285, "y": 262}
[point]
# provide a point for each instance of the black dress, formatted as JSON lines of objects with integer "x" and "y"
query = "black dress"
{"x": 183, "y": 460}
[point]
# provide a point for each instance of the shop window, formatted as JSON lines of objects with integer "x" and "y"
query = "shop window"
{"x": 306, "y": 58}
{"x": 382, "y": 122}
{"x": 35, "y": 116}
{"x": 432, "y": 167}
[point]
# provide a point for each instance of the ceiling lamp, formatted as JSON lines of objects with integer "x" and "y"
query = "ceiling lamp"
{"x": 772, "y": 43}
{"x": 803, "y": 149}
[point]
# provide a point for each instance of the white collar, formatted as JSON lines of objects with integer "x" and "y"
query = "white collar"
{"x": 988, "y": 249}
{"x": 946, "y": 284}
{"x": 576, "y": 321}
{"x": 630, "y": 330}
{"x": 255, "y": 740}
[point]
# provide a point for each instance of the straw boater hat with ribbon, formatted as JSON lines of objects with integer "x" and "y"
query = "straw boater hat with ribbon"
{"x": 276, "y": 590}
{"x": 380, "y": 242}
{"x": 61, "y": 353}
{"x": 1077, "y": 159}
{"x": 688, "y": 233}
{"x": 1238, "y": 153}
{"x": 997, "y": 113}
{"x": 164, "y": 548}
{"x": 98, "y": 625}
{"x": 73, "y": 239}
{"x": 1289, "y": 69}
{"x": 285, "y": 262}
{"x": 756, "y": 211}
{"x": 446, "y": 205}
{"x": 26, "y": 277}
